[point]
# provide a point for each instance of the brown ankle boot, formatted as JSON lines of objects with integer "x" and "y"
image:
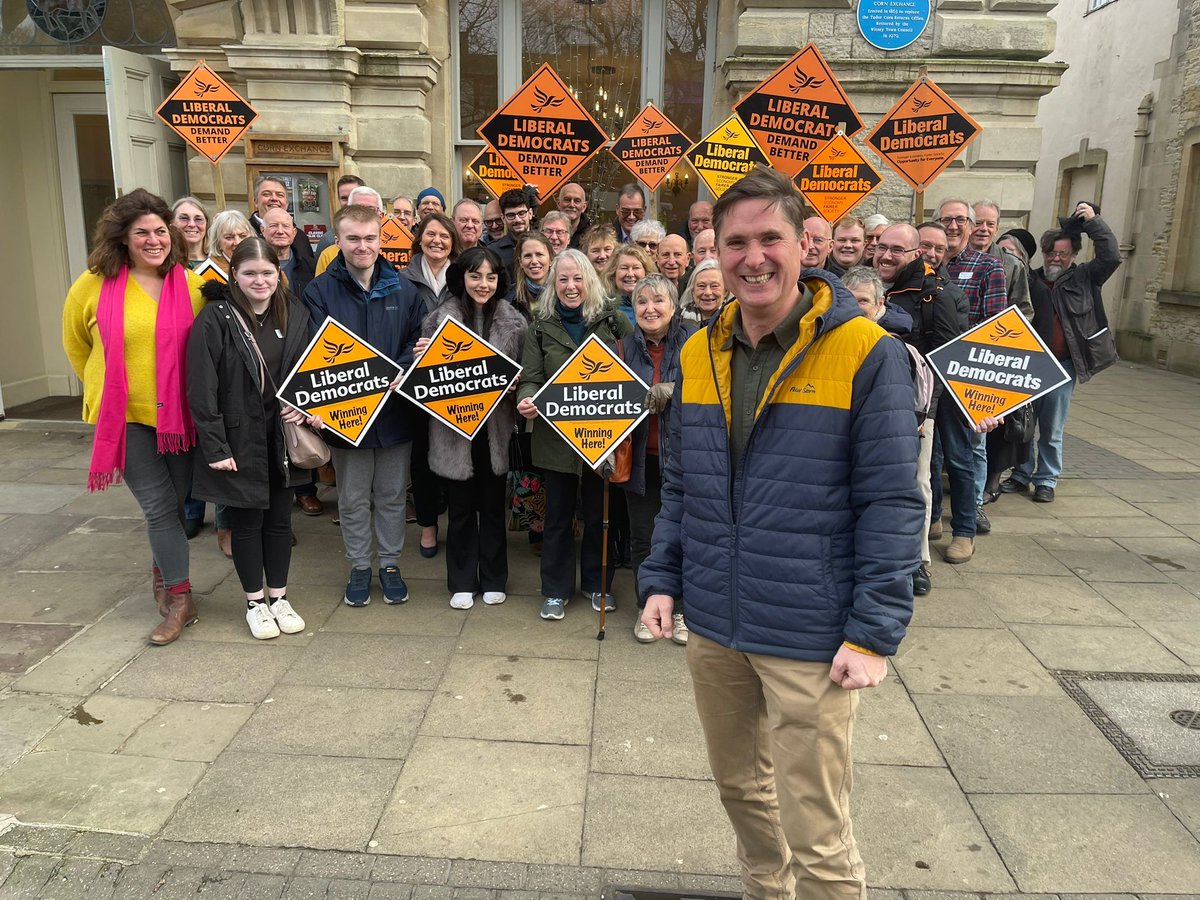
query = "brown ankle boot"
{"x": 225, "y": 541}
{"x": 161, "y": 597}
{"x": 182, "y": 613}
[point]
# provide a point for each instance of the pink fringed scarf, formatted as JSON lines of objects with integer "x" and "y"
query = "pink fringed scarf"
{"x": 176, "y": 433}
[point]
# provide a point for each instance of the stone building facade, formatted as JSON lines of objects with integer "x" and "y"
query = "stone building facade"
{"x": 1123, "y": 129}
{"x": 398, "y": 87}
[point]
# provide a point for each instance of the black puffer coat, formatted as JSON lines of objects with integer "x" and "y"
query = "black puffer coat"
{"x": 225, "y": 395}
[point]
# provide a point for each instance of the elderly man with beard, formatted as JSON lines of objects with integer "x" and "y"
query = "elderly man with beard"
{"x": 1068, "y": 313}
{"x": 911, "y": 282}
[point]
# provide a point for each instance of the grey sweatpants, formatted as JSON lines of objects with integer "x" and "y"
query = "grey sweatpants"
{"x": 372, "y": 476}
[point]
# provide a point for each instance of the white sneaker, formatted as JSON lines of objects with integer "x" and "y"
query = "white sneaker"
{"x": 679, "y": 629}
{"x": 494, "y": 598}
{"x": 261, "y": 622}
{"x": 462, "y": 600}
{"x": 642, "y": 633}
{"x": 286, "y": 618}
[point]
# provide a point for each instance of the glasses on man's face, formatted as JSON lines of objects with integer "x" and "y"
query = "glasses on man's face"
{"x": 649, "y": 246}
{"x": 889, "y": 250}
{"x": 928, "y": 247}
{"x": 516, "y": 215}
{"x": 818, "y": 241}
{"x": 960, "y": 221}
{"x": 492, "y": 223}
{"x": 626, "y": 212}
{"x": 1059, "y": 254}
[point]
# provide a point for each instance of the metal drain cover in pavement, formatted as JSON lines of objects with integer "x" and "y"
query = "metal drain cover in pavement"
{"x": 1150, "y": 718}
{"x": 612, "y": 892}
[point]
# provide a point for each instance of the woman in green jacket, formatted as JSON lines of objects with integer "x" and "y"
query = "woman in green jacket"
{"x": 580, "y": 309}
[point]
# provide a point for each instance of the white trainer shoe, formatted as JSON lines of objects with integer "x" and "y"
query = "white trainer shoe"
{"x": 494, "y": 598}
{"x": 462, "y": 600}
{"x": 261, "y": 622}
{"x": 286, "y": 618}
{"x": 679, "y": 629}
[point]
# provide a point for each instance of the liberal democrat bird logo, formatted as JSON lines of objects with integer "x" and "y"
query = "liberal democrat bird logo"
{"x": 593, "y": 367}
{"x": 1002, "y": 332}
{"x": 804, "y": 80}
{"x": 649, "y": 125}
{"x": 335, "y": 350}
{"x": 919, "y": 104}
{"x": 730, "y": 134}
{"x": 837, "y": 154}
{"x": 203, "y": 88}
{"x": 544, "y": 100}
{"x": 452, "y": 347}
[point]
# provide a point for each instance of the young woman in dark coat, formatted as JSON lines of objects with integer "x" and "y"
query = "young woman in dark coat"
{"x": 475, "y": 472}
{"x": 242, "y": 461}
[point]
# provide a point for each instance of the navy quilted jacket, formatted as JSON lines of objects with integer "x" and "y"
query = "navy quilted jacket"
{"x": 815, "y": 541}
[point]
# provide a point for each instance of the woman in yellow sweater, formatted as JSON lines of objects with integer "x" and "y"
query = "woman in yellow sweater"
{"x": 125, "y": 330}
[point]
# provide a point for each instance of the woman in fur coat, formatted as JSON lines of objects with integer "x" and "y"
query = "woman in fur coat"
{"x": 476, "y": 472}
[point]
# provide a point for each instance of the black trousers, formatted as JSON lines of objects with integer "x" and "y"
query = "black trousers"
{"x": 477, "y": 540}
{"x": 642, "y": 510}
{"x": 262, "y": 540}
{"x": 427, "y": 488}
{"x": 558, "y": 544}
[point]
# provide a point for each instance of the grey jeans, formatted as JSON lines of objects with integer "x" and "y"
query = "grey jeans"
{"x": 366, "y": 477}
{"x": 160, "y": 482}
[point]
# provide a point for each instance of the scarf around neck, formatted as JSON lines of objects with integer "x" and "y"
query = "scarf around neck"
{"x": 173, "y": 323}
{"x": 572, "y": 320}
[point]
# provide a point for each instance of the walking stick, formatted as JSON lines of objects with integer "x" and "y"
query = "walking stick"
{"x": 604, "y": 563}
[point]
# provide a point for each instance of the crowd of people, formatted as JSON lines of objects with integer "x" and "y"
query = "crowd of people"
{"x": 187, "y": 414}
{"x": 782, "y": 494}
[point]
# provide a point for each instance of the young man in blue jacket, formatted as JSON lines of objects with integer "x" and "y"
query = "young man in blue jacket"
{"x": 789, "y": 531}
{"x": 363, "y": 292}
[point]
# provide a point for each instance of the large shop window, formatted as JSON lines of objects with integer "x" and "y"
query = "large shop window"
{"x": 616, "y": 55}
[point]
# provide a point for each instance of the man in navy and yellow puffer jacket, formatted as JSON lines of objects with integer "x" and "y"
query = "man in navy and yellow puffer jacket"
{"x": 789, "y": 531}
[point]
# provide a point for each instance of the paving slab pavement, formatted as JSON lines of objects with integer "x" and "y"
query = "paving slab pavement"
{"x": 432, "y": 754}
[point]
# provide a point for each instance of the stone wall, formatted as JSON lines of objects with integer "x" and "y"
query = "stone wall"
{"x": 370, "y": 72}
{"x": 984, "y": 54}
{"x": 1156, "y": 323}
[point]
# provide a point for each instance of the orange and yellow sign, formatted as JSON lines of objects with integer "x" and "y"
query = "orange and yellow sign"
{"x": 593, "y": 401}
{"x": 726, "y": 154}
{"x": 650, "y": 147}
{"x": 999, "y": 365}
{"x": 543, "y": 132}
{"x": 342, "y": 379}
{"x": 395, "y": 242}
{"x": 797, "y": 109}
{"x": 207, "y": 113}
{"x": 494, "y": 173}
{"x": 923, "y": 133}
{"x": 460, "y": 379}
{"x": 837, "y": 178}
{"x": 210, "y": 271}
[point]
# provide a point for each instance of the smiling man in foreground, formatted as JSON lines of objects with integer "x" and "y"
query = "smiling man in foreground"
{"x": 789, "y": 531}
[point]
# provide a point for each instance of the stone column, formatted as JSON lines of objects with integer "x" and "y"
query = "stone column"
{"x": 984, "y": 55}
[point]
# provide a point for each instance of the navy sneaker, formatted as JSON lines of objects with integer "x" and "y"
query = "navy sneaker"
{"x": 358, "y": 588}
{"x": 394, "y": 589}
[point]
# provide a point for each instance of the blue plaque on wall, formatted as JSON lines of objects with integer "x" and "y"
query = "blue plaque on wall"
{"x": 892, "y": 24}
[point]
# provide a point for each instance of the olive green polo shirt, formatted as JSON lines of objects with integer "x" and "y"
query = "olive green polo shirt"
{"x": 751, "y": 369}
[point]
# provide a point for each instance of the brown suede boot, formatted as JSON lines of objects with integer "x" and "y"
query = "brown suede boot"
{"x": 225, "y": 541}
{"x": 181, "y": 614}
{"x": 161, "y": 597}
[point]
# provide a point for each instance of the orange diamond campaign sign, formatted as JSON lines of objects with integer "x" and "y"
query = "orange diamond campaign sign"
{"x": 797, "y": 109}
{"x": 342, "y": 379}
{"x": 207, "y": 113}
{"x": 460, "y": 379}
{"x": 543, "y": 133}
{"x": 593, "y": 401}
{"x": 998, "y": 366}
{"x": 210, "y": 271}
{"x": 494, "y": 173}
{"x": 923, "y": 133}
{"x": 726, "y": 154}
{"x": 837, "y": 179}
{"x": 650, "y": 147}
{"x": 395, "y": 242}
